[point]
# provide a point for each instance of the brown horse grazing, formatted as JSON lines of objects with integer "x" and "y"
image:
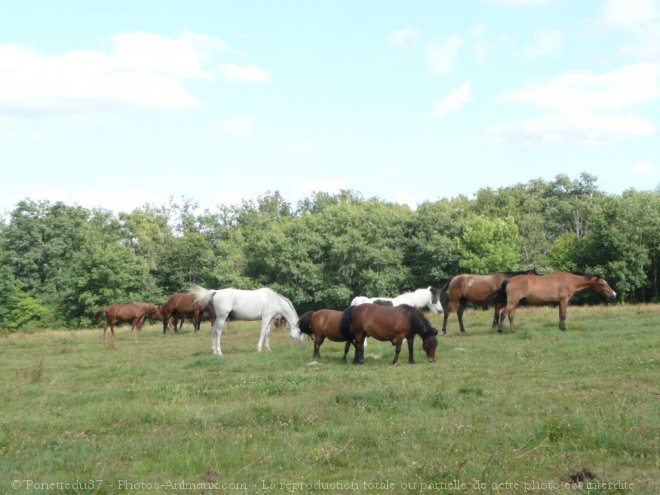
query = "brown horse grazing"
{"x": 182, "y": 305}
{"x": 557, "y": 287}
{"x": 476, "y": 289}
{"x": 134, "y": 312}
{"x": 388, "y": 323}
{"x": 321, "y": 324}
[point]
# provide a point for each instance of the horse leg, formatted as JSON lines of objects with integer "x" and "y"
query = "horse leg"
{"x": 451, "y": 307}
{"x": 503, "y": 314}
{"x": 444, "y": 322}
{"x": 318, "y": 340}
{"x": 511, "y": 314}
{"x": 217, "y": 333}
{"x": 359, "y": 349}
{"x": 397, "y": 343}
{"x": 346, "y": 348}
{"x": 411, "y": 360}
{"x": 563, "y": 305}
{"x": 265, "y": 333}
{"x": 496, "y": 315}
{"x": 459, "y": 313}
{"x": 197, "y": 320}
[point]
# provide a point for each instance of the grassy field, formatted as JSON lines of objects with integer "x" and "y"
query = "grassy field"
{"x": 538, "y": 411}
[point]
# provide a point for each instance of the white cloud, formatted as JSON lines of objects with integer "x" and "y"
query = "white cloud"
{"x": 140, "y": 69}
{"x": 545, "y": 42}
{"x": 407, "y": 199}
{"x": 645, "y": 168}
{"x": 240, "y": 126}
{"x": 404, "y": 37}
{"x": 569, "y": 128}
{"x": 180, "y": 58}
{"x": 633, "y": 15}
{"x": 584, "y": 108}
{"x": 441, "y": 56}
{"x": 457, "y": 98}
{"x": 646, "y": 46}
{"x": 244, "y": 73}
{"x": 617, "y": 89}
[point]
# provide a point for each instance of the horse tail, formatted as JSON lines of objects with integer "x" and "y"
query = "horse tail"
{"x": 202, "y": 295}
{"x": 419, "y": 323}
{"x": 305, "y": 323}
{"x": 443, "y": 293}
{"x": 498, "y": 296}
{"x": 345, "y": 327}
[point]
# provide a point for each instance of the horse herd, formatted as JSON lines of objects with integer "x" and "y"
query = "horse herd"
{"x": 386, "y": 319}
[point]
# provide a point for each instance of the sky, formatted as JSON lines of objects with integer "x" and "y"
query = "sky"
{"x": 118, "y": 104}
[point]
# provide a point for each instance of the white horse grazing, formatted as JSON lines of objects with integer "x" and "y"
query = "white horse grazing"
{"x": 259, "y": 304}
{"x": 421, "y": 298}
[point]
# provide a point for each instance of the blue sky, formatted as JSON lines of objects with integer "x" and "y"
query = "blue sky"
{"x": 116, "y": 104}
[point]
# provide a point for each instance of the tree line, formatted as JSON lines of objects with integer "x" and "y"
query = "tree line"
{"x": 60, "y": 263}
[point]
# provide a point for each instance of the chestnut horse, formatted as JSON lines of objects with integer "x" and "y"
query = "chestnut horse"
{"x": 388, "y": 323}
{"x": 321, "y": 324}
{"x": 134, "y": 312}
{"x": 557, "y": 287}
{"x": 476, "y": 289}
{"x": 181, "y": 305}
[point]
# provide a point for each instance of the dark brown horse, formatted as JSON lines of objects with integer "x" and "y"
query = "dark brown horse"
{"x": 322, "y": 324}
{"x": 476, "y": 289}
{"x": 182, "y": 305}
{"x": 391, "y": 324}
{"x": 134, "y": 312}
{"x": 557, "y": 287}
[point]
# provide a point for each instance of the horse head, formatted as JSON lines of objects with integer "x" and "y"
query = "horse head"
{"x": 435, "y": 304}
{"x": 602, "y": 288}
{"x": 296, "y": 332}
{"x": 429, "y": 344}
{"x": 304, "y": 323}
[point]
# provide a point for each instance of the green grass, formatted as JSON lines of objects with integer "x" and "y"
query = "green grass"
{"x": 532, "y": 408}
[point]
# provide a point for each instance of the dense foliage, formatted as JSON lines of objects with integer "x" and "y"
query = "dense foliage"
{"x": 60, "y": 263}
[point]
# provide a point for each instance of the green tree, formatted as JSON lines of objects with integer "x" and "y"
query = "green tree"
{"x": 187, "y": 260}
{"x": 102, "y": 274}
{"x": 489, "y": 244}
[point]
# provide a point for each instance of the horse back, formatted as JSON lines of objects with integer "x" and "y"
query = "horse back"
{"x": 536, "y": 289}
{"x": 328, "y": 322}
{"x": 474, "y": 288}
{"x": 381, "y": 322}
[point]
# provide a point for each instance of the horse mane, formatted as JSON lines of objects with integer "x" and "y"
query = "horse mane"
{"x": 589, "y": 276}
{"x": 288, "y": 301}
{"x": 419, "y": 323}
